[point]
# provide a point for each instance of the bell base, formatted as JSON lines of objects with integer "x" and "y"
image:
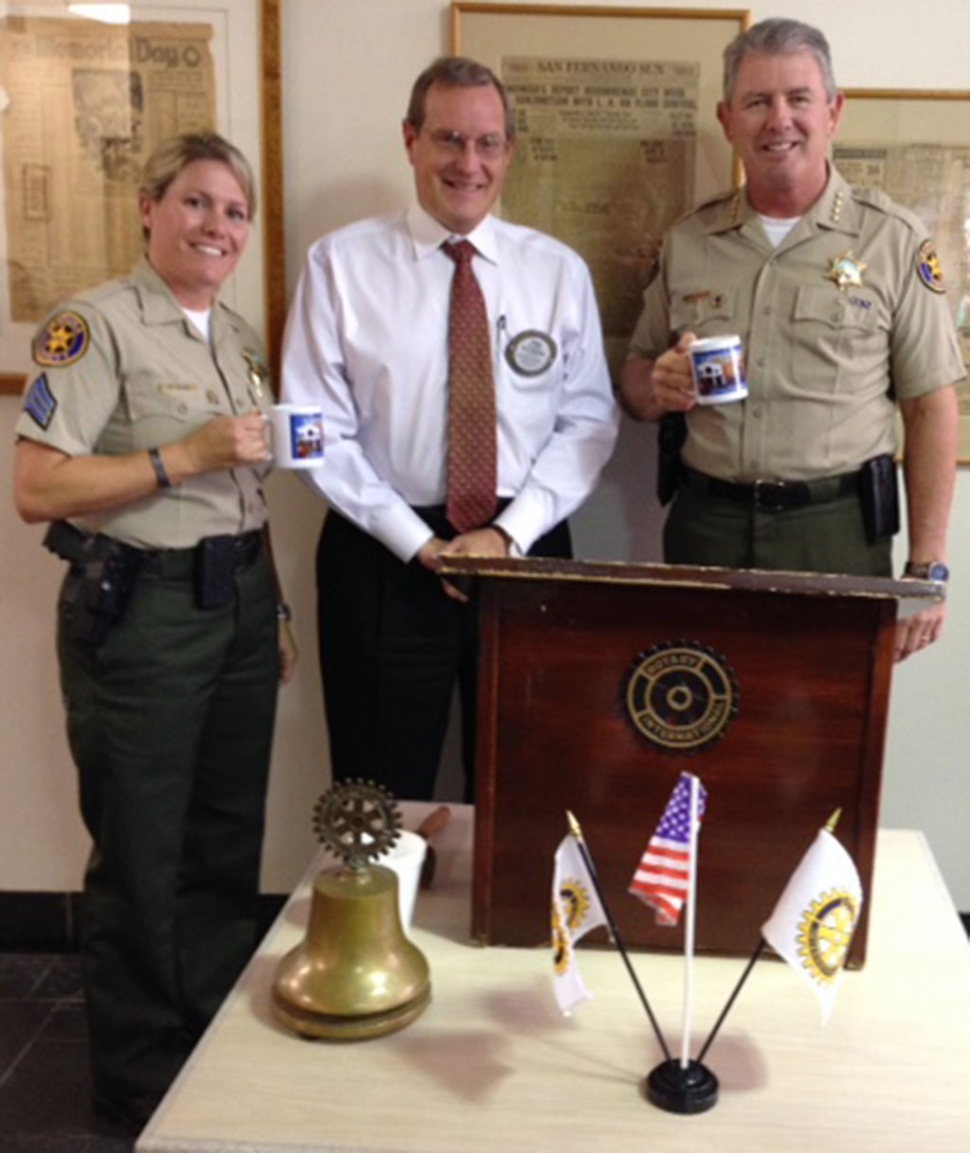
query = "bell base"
{"x": 336, "y": 1027}
{"x": 678, "y": 1090}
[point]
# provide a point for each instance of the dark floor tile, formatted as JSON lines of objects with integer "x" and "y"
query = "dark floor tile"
{"x": 62, "y": 981}
{"x": 20, "y": 1023}
{"x": 45, "y": 1143}
{"x": 66, "y": 1022}
{"x": 47, "y": 1093}
{"x": 110, "y": 1145}
{"x": 20, "y": 974}
{"x": 50, "y": 1143}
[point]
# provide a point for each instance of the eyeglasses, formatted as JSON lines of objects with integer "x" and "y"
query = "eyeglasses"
{"x": 489, "y": 147}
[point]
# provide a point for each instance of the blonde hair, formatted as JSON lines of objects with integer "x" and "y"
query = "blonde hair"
{"x": 176, "y": 153}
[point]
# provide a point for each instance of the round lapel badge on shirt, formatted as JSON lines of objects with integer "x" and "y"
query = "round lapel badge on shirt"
{"x": 531, "y": 352}
{"x": 63, "y": 340}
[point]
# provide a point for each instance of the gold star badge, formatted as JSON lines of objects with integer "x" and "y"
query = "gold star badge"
{"x": 846, "y": 272}
{"x": 257, "y": 373}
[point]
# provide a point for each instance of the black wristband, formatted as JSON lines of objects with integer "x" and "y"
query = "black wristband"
{"x": 158, "y": 465}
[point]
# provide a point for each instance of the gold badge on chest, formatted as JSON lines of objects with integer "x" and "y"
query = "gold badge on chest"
{"x": 258, "y": 375}
{"x": 846, "y": 271}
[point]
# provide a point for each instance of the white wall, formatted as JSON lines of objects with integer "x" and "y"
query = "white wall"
{"x": 347, "y": 70}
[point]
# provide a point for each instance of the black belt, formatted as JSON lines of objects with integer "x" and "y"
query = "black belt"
{"x": 773, "y": 495}
{"x": 179, "y": 563}
{"x": 75, "y": 546}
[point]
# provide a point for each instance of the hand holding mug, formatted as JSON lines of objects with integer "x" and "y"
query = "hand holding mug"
{"x": 672, "y": 379}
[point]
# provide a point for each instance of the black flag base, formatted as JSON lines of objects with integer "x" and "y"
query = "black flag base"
{"x": 678, "y": 1090}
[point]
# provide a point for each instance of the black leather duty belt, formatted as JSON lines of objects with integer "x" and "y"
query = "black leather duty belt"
{"x": 774, "y": 495}
{"x": 180, "y": 563}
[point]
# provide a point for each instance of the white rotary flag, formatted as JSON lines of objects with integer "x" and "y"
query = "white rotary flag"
{"x": 576, "y": 910}
{"x": 812, "y": 924}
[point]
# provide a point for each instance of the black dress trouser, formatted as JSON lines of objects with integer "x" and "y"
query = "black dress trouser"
{"x": 393, "y": 647}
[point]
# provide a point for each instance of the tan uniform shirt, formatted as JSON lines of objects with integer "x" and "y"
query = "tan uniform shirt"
{"x": 824, "y": 364}
{"x": 123, "y": 370}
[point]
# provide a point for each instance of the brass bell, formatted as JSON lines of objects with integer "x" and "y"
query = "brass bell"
{"x": 355, "y": 975}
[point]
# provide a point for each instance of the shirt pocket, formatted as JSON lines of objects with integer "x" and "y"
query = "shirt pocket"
{"x": 530, "y": 366}
{"x": 165, "y": 411}
{"x": 704, "y": 314}
{"x": 843, "y": 335}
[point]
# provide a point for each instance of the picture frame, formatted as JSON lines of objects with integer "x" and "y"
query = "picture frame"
{"x": 616, "y": 125}
{"x": 915, "y": 145}
{"x": 239, "y": 41}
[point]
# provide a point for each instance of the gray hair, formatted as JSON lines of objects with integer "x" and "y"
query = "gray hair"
{"x": 456, "y": 72}
{"x": 178, "y": 152}
{"x": 779, "y": 38}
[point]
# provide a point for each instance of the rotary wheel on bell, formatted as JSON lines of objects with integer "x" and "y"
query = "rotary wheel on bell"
{"x": 357, "y": 821}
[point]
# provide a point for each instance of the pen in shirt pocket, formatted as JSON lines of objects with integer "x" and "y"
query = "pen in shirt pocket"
{"x": 501, "y": 329}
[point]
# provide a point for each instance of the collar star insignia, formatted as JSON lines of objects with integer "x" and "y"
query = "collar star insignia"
{"x": 846, "y": 272}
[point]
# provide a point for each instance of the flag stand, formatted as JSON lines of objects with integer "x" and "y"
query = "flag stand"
{"x": 677, "y": 1089}
{"x": 686, "y": 1086}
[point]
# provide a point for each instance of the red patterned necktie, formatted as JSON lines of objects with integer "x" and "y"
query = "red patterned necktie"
{"x": 471, "y": 399}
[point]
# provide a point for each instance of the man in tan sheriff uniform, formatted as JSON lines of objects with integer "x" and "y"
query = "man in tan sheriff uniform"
{"x": 839, "y": 299}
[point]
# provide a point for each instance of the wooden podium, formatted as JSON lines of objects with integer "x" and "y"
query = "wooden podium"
{"x": 601, "y": 682}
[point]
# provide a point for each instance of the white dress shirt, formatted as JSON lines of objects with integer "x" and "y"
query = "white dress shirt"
{"x": 367, "y": 337}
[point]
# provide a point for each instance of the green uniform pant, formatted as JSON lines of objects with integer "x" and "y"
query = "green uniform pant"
{"x": 828, "y": 537}
{"x": 170, "y": 724}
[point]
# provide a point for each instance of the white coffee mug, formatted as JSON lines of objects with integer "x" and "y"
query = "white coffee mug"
{"x": 296, "y": 435}
{"x": 405, "y": 857}
{"x": 717, "y": 363}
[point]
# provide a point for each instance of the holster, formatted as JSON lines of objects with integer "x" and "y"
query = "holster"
{"x": 671, "y": 434}
{"x": 100, "y": 582}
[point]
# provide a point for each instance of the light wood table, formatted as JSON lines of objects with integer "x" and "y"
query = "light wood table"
{"x": 492, "y": 1067}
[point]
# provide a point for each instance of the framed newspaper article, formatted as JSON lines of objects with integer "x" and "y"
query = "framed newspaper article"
{"x": 916, "y": 146}
{"x": 617, "y": 129}
{"x": 86, "y": 98}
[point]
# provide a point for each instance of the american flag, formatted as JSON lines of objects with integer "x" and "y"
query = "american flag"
{"x": 661, "y": 878}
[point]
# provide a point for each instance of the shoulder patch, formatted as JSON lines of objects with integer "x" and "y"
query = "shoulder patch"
{"x": 929, "y": 269}
{"x": 40, "y": 403}
{"x": 63, "y": 340}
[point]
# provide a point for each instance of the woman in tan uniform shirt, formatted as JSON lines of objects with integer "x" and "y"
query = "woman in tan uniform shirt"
{"x": 142, "y": 440}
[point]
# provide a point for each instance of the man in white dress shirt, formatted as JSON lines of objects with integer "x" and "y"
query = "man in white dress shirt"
{"x": 368, "y": 338}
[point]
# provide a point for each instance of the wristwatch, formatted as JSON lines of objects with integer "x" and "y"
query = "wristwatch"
{"x": 934, "y": 570}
